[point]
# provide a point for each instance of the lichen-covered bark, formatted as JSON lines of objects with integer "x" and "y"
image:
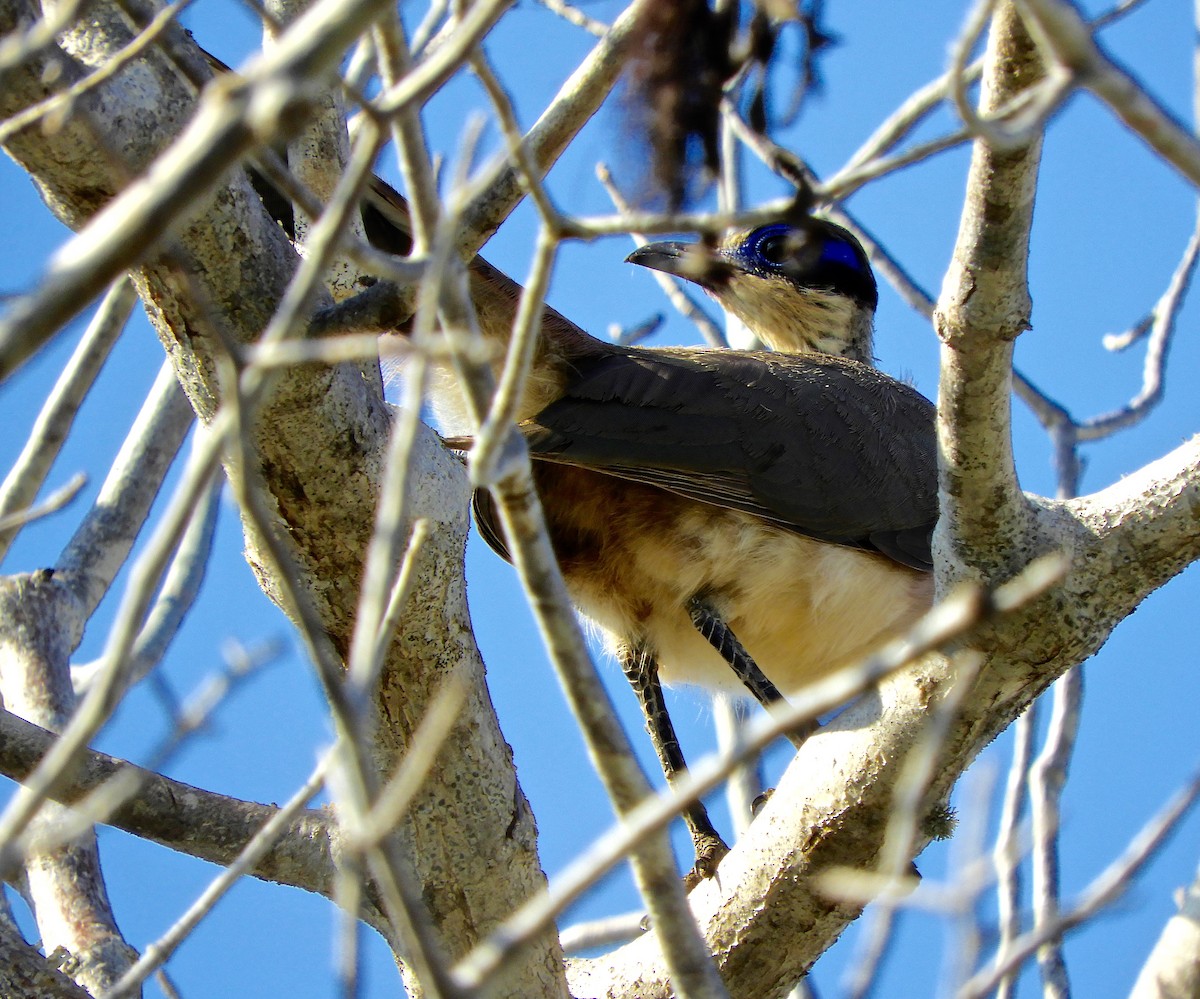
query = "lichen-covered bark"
{"x": 319, "y": 441}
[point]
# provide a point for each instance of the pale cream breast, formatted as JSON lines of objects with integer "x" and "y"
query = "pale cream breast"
{"x": 802, "y": 608}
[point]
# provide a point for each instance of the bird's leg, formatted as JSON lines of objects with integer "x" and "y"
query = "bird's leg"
{"x": 641, "y": 669}
{"x": 720, "y": 636}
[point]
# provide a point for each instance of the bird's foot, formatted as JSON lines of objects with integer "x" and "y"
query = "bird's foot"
{"x": 710, "y": 849}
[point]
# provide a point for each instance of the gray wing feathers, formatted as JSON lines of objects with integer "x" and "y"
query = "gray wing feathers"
{"x": 825, "y": 447}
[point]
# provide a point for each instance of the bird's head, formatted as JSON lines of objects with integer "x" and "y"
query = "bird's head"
{"x": 805, "y": 288}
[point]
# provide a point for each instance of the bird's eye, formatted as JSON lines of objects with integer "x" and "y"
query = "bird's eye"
{"x": 774, "y": 249}
{"x": 775, "y": 244}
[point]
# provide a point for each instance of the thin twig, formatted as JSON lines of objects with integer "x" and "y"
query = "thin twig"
{"x": 232, "y": 118}
{"x": 968, "y": 853}
{"x": 606, "y": 932}
{"x": 18, "y": 47}
{"x": 101, "y": 699}
{"x": 423, "y": 80}
{"x": 1073, "y": 44}
{"x": 573, "y": 15}
{"x": 54, "y": 421}
{"x": 1047, "y": 778}
{"x": 102, "y": 542}
{"x": 1105, "y": 889}
{"x": 159, "y": 952}
{"x": 179, "y": 591}
{"x": 434, "y": 17}
{"x": 518, "y": 153}
{"x": 100, "y": 803}
{"x": 904, "y": 821}
{"x": 1005, "y": 855}
{"x": 684, "y": 303}
{"x": 397, "y": 794}
{"x": 496, "y": 430}
{"x": 1163, "y": 318}
{"x": 51, "y": 504}
{"x": 655, "y": 871}
{"x": 395, "y": 60}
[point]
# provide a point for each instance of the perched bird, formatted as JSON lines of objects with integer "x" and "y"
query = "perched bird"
{"x": 766, "y": 510}
{"x": 713, "y": 507}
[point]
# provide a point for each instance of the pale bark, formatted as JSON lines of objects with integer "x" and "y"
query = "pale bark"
{"x": 1172, "y": 970}
{"x": 320, "y": 440}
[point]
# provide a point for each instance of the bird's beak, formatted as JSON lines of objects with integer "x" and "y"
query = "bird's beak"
{"x": 690, "y": 261}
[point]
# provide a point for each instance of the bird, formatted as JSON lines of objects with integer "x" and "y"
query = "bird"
{"x": 727, "y": 519}
{"x": 770, "y": 511}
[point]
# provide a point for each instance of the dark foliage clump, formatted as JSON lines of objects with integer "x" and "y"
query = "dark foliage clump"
{"x": 677, "y": 78}
{"x": 687, "y": 56}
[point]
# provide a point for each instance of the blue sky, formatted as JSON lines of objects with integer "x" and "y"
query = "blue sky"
{"x": 1110, "y": 224}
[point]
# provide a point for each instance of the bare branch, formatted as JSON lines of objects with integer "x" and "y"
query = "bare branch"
{"x": 1145, "y": 523}
{"x": 262, "y": 843}
{"x": 54, "y": 422}
{"x": 1161, "y": 332}
{"x": 188, "y": 819}
{"x": 51, "y": 504}
{"x": 445, "y": 60}
{"x": 603, "y": 932}
{"x": 948, "y": 620}
{"x": 64, "y": 879}
{"x": 1104, "y": 889}
{"x": 100, "y": 546}
{"x": 684, "y": 303}
{"x": 689, "y": 964}
{"x": 575, "y": 16}
{"x": 179, "y": 591}
{"x": 234, "y": 116}
{"x": 1074, "y": 46}
{"x": 576, "y": 101}
{"x": 101, "y": 699}
{"x": 1005, "y": 855}
{"x": 1047, "y": 779}
{"x": 983, "y": 306}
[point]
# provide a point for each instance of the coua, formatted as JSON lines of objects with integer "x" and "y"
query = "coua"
{"x": 776, "y": 505}
{"x": 794, "y": 494}
{"x": 710, "y": 505}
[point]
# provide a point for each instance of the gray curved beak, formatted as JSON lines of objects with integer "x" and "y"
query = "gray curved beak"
{"x": 667, "y": 257}
{"x": 690, "y": 261}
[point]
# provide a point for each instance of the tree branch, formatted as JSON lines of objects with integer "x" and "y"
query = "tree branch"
{"x": 190, "y": 820}
{"x": 320, "y": 440}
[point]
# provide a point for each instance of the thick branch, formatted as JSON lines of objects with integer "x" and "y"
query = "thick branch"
{"x": 983, "y": 306}
{"x": 200, "y": 823}
{"x": 320, "y": 441}
{"x": 25, "y": 972}
{"x": 1145, "y": 528}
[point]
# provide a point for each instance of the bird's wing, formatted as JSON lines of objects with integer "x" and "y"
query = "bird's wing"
{"x": 821, "y": 446}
